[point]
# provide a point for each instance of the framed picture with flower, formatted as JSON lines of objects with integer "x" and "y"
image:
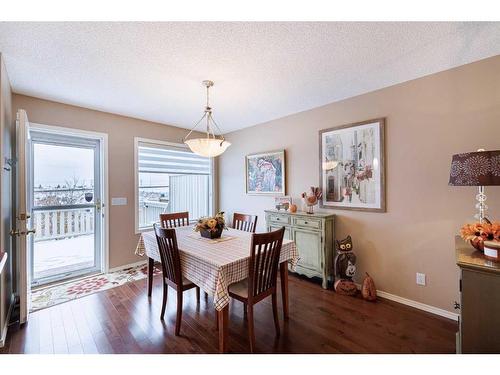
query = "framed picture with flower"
{"x": 352, "y": 166}
{"x": 265, "y": 173}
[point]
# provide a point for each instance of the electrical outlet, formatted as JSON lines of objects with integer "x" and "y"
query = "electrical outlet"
{"x": 420, "y": 278}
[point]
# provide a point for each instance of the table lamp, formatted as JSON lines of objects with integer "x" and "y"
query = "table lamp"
{"x": 480, "y": 168}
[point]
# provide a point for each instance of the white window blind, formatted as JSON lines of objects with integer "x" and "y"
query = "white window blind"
{"x": 172, "y": 160}
{"x": 171, "y": 179}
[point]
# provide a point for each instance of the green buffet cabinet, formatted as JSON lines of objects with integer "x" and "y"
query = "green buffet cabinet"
{"x": 313, "y": 234}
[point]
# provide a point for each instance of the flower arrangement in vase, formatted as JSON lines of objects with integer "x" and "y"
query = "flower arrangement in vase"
{"x": 477, "y": 233}
{"x": 211, "y": 226}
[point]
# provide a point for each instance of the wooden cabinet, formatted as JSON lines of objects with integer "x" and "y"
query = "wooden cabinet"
{"x": 309, "y": 247}
{"x": 288, "y": 232}
{"x": 479, "y": 320}
{"x": 313, "y": 234}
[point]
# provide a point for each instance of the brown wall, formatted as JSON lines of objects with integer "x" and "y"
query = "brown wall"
{"x": 427, "y": 120}
{"x": 121, "y": 132}
{"x": 6, "y": 125}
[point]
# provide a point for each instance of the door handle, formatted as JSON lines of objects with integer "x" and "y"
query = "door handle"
{"x": 16, "y": 232}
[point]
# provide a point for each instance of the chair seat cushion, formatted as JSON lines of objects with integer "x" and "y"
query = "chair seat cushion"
{"x": 239, "y": 288}
{"x": 185, "y": 281}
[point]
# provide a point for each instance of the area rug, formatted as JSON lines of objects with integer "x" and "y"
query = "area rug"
{"x": 56, "y": 294}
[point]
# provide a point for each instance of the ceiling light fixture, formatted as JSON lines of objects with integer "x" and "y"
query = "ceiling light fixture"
{"x": 211, "y": 145}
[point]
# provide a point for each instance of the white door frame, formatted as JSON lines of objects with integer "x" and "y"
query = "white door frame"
{"x": 22, "y": 219}
{"x": 103, "y": 138}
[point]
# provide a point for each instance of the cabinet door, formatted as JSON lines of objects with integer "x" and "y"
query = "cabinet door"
{"x": 287, "y": 235}
{"x": 480, "y": 322}
{"x": 309, "y": 247}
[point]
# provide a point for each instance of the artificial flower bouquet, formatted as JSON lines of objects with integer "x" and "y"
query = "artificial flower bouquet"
{"x": 477, "y": 233}
{"x": 211, "y": 226}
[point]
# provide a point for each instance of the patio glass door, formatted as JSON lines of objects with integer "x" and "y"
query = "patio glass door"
{"x": 65, "y": 200}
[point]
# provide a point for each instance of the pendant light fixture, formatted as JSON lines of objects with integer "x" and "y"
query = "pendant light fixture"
{"x": 211, "y": 145}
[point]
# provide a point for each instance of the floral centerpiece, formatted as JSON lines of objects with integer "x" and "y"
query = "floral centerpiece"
{"x": 211, "y": 226}
{"x": 477, "y": 233}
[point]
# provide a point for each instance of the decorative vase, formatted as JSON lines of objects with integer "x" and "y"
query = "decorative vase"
{"x": 477, "y": 244}
{"x": 293, "y": 208}
{"x": 206, "y": 233}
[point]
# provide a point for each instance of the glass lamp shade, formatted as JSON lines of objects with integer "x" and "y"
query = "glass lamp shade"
{"x": 330, "y": 165}
{"x": 208, "y": 147}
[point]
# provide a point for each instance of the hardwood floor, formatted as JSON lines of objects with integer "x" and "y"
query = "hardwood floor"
{"x": 124, "y": 320}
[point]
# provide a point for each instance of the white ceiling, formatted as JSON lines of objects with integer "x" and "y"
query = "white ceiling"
{"x": 262, "y": 71}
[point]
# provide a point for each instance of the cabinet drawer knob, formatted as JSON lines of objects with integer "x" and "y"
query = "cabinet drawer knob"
{"x": 305, "y": 222}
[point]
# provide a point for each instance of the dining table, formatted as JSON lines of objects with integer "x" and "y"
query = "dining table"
{"x": 214, "y": 264}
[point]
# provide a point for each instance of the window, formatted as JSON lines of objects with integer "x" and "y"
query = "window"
{"x": 170, "y": 178}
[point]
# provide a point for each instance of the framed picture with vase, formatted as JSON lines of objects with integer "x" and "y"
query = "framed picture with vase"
{"x": 352, "y": 166}
{"x": 283, "y": 202}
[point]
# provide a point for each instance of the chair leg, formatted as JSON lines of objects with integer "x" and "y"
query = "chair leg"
{"x": 216, "y": 320}
{"x": 164, "y": 305}
{"x": 245, "y": 308}
{"x": 251, "y": 334}
{"x": 178, "y": 319}
{"x": 198, "y": 294}
{"x": 275, "y": 314}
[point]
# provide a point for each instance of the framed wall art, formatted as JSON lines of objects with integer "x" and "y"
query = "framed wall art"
{"x": 352, "y": 166}
{"x": 265, "y": 173}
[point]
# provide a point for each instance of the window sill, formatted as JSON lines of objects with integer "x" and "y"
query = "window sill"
{"x": 142, "y": 230}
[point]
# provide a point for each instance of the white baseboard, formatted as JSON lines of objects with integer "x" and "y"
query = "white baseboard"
{"x": 417, "y": 305}
{"x": 119, "y": 268}
{"x": 7, "y": 320}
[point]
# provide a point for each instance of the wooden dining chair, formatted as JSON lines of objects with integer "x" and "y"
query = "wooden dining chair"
{"x": 265, "y": 252}
{"x": 244, "y": 222}
{"x": 172, "y": 272}
{"x": 174, "y": 219}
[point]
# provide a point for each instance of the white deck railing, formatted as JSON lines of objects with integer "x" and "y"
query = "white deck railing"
{"x": 73, "y": 222}
{"x": 63, "y": 223}
{"x": 149, "y": 211}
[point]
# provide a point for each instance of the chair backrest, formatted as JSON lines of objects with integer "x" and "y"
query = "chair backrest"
{"x": 169, "y": 254}
{"x": 265, "y": 252}
{"x": 174, "y": 220}
{"x": 244, "y": 222}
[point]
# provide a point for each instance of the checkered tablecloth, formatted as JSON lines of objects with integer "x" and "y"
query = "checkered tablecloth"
{"x": 211, "y": 265}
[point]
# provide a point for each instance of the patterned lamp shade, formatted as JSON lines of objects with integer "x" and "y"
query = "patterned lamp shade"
{"x": 481, "y": 168}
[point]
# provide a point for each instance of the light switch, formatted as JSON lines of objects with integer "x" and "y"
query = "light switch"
{"x": 119, "y": 201}
{"x": 420, "y": 278}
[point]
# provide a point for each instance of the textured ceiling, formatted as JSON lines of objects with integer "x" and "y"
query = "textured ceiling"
{"x": 262, "y": 71}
